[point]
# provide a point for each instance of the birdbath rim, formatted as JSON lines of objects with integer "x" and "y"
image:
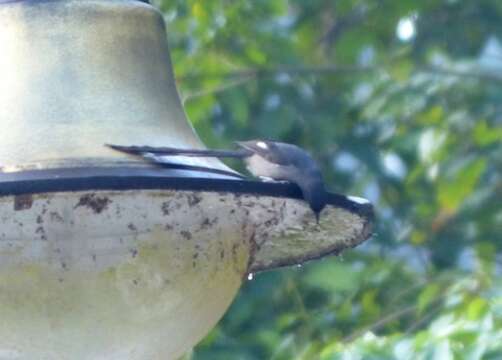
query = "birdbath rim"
{"x": 273, "y": 245}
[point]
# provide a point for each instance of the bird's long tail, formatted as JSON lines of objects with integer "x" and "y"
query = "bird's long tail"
{"x": 169, "y": 151}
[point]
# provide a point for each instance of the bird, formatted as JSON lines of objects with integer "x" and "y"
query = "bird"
{"x": 267, "y": 160}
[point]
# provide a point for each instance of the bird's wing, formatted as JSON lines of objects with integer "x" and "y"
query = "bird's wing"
{"x": 160, "y": 156}
{"x": 169, "y": 151}
{"x": 268, "y": 150}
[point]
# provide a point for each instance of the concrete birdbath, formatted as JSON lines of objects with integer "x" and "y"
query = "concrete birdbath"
{"x": 103, "y": 256}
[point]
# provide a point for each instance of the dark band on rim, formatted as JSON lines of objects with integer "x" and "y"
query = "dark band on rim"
{"x": 131, "y": 178}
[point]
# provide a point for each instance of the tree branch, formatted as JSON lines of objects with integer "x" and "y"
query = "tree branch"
{"x": 381, "y": 322}
{"x": 276, "y": 70}
{"x": 267, "y": 72}
{"x": 217, "y": 89}
{"x": 384, "y": 320}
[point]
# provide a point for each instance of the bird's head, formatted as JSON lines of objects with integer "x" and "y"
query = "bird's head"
{"x": 315, "y": 195}
{"x": 317, "y": 203}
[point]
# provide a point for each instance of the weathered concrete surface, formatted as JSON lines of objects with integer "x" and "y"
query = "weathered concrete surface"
{"x": 142, "y": 274}
{"x": 115, "y": 275}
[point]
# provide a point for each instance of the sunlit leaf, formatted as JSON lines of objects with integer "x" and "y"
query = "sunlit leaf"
{"x": 477, "y": 308}
{"x": 484, "y": 135}
{"x": 427, "y": 296}
{"x": 452, "y": 192}
{"x": 334, "y": 277}
{"x": 401, "y": 70}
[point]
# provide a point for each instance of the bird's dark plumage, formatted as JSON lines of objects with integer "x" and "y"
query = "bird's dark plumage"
{"x": 266, "y": 159}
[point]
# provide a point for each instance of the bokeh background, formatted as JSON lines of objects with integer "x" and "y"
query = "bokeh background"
{"x": 401, "y": 102}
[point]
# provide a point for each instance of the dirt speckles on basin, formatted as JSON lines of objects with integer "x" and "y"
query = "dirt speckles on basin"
{"x": 93, "y": 202}
{"x": 23, "y": 202}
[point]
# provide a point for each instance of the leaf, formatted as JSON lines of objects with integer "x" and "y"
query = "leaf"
{"x": 401, "y": 70}
{"x": 198, "y": 10}
{"x": 333, "y": 277}
{"x": 477, "y": 308}
{"x": 369, "y": 303}
{"x": 465, "y": 337}
{"x": 484, "y": 135}
{"x": 452, "y": 192}
{"x": 427, "y": 296}
{"x": 432, "y": 116}
{"x": 418, "y": 237}
{"x": 431, "y": 144}
{"x": 443, "y": 351}
{"x": 239, "y": 106}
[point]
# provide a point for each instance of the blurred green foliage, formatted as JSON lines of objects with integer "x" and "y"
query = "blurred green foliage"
{"x": 401, "y": 102}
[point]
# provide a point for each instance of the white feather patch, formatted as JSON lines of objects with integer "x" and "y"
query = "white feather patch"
{"x": 262, "y": 145}
{"x": 358, "y": 200}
